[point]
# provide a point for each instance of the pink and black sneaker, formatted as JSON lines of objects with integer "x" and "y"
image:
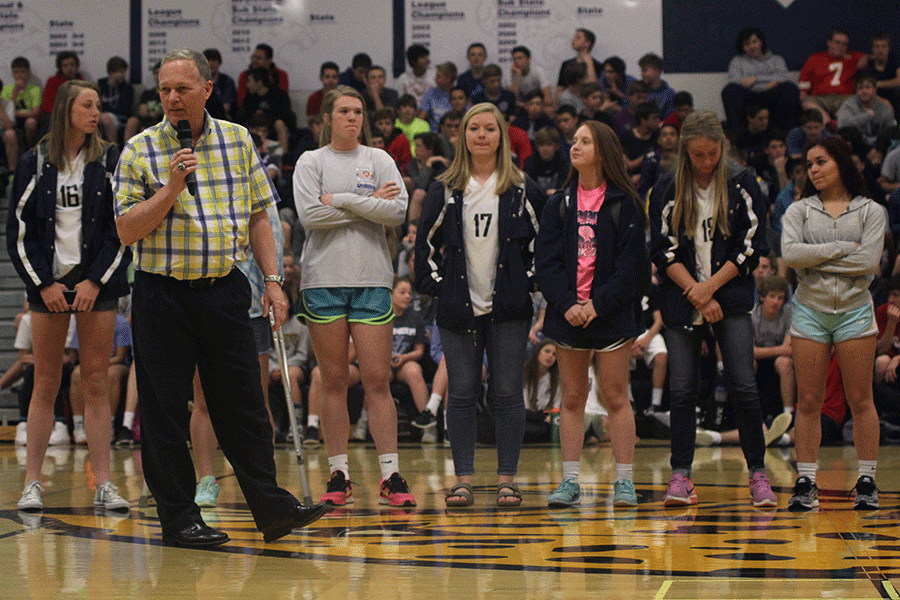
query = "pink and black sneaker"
{"x": 339, "y": 491}
{"x": 395, "y": 492}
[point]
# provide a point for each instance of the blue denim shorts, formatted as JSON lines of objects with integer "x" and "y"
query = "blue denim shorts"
{"x": 828, "y": 328}
{"x": 369, "y": 305}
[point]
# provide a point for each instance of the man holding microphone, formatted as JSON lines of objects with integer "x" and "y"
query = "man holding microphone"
{"x": 191, "y": 208}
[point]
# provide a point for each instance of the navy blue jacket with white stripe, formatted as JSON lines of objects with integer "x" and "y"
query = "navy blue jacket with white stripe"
{"x": 743, "y": 246}
{"x": 31, "y": 225}
{"x": 440, "y": 266}
{"x": 620, "y": 261}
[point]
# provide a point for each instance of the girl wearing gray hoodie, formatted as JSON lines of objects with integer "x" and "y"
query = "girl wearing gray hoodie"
{"x": 833, "y": 237}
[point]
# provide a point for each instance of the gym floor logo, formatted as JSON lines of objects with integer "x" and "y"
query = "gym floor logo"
{"x": 707, "y": 540}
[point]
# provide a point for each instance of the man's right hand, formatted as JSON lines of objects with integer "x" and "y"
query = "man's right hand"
{"x": 186, "y": 157}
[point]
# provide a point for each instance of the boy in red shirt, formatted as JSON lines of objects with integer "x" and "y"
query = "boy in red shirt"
{"x": 828, "y": 78}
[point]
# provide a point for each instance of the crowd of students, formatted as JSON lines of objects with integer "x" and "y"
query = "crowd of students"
{"x": 538, "y": 245}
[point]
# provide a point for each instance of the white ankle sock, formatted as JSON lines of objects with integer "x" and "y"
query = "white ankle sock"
{"x": 571, "y": 469}
{"x": 434, "y": 403}
{"x": 128, "y": 419}
{"x": 807, "y": 470}
{"x": 624, "y": 471}
{"x": 867, "y": 468}
{"x": 312, "y": 421}
{"x": 338, "y": 462}
{"x": 389, "y": 464}
{"x": 656, "y": 397}
{"x": 78, "y": 421}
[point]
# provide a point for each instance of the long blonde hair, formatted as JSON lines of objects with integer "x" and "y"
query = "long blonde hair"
{"x": 328, "y": 107}
{"x": 703, "y": 124}
{"x": 457, "y": 175}
{"x": 61, "y": 125}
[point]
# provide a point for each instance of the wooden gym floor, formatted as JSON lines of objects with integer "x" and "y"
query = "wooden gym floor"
{"x": 720, "y": 549}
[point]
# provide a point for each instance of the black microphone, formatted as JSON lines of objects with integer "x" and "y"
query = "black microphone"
{"x": 184, "y": 138}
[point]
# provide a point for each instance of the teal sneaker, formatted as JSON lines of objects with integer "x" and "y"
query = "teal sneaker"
{"x": 567, "y": 494}
{"x": 207, "y": 492}
{"x": 624, "y": 493}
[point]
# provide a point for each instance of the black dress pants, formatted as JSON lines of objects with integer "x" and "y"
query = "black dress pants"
{"x": 177, "y": 327}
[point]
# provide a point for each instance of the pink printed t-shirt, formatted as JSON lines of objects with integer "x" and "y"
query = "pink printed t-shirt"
{"x": 589, "y": 203}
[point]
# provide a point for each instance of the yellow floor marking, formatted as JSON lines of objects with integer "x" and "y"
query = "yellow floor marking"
{"x": 663, "y": 589}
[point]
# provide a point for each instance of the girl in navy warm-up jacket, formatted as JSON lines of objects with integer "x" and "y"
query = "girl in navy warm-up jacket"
{"x": 590, "y": 260}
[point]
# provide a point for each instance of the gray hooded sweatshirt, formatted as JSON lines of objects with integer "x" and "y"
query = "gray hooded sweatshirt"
{"x": 835, "y": 259}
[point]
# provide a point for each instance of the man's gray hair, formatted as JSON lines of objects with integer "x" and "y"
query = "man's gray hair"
{"x": 192, "y": 55}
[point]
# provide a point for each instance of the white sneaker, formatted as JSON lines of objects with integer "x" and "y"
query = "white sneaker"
{"x": 21, "y": 433}
{"x": 79, "y": 435}
{"x": 31, "y": 496}
{"x": 704, "y": 437}
{"x": 361, "y": 431}
{"x": 779, "y": 427}
{"x": 60, "y": 434}
{"x": 107, "y": 496}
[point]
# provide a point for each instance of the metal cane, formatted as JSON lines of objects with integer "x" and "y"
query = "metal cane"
{"x": 278, "y": 338}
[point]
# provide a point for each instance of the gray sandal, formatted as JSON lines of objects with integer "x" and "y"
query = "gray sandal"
{"x": 510, "y": 494}
{"x": 461, "y": 495}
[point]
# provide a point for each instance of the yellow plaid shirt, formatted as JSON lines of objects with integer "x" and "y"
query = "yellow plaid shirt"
{"x": 206, "y": 235}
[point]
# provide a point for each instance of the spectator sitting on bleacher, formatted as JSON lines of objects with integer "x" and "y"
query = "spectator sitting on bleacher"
{"x": 533, "y": 117}
{"x": 770, "y": 166}
{"x": 758, "y": 76}
{"x": 223, "y": 85}
{"x": 419, "y": 78}
{"x": 615, "y": 82}
{"x": 684, "y": 105}
{"x": 547, "y": 167}
{"x": 772, "y": 346}
{"x": 395, "y": 141}
{"x": 494, "y": 93}
{"x": 596, "y": 105}
{"x": 377, "y": 94}
{"x": 865, "y": 112}
{"x": 23, "y": 370}
{"x": 751, "y": 138}
{"x": 264, "y": 98}
{"x": 436, "y": 100}
{"x": 329, "y": 73}
{"x": 811, "y": 130}
{"x": 408, "y": 347}
{"x": 658, "y": 91}
{"x": 661, "y": 160}
{"x": 471, "y": 80}
{"x": 262, "y": 58}
{"x": 149, "y": 111}
{"x": 828, "y": 78}
{"x": 625, "y": 119}
{"x": 116, "y": 99}
{"x": 25, "y": 98}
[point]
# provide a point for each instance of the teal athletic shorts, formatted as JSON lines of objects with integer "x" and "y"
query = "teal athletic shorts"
{"x": 369, "y": 305}
{"x": 829, "y": 328}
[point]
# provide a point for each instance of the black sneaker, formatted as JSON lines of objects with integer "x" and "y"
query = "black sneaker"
{"x": 311, "y": 436}
{"x": 806, "y": 495}
{"x": 866, "y": 494}
{"x": 425, "y": 420}
{"x": 125, "y": 438}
